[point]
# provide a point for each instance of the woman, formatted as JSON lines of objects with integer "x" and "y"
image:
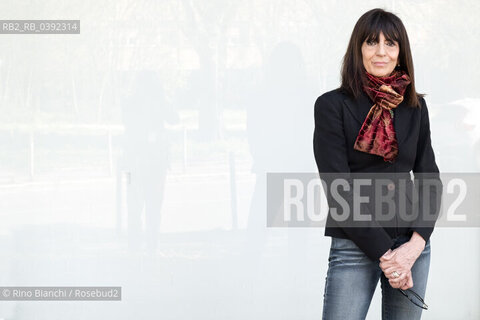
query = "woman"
{"x": 376, "y": 123}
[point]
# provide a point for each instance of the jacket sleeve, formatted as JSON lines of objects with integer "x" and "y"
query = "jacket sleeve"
{"x": 425, "y": 169}
{"x": 330, "y": 151}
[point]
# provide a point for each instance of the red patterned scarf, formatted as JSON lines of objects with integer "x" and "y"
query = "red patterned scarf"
{"x": 377, "y": 135}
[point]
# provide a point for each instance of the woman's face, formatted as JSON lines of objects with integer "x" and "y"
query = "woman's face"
{"x": 380, "y": 58}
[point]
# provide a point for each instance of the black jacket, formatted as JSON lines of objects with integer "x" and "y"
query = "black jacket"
{"x": 338, "y": 119}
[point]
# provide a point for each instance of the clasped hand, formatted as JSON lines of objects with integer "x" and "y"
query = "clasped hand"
{"x": 401, "y": 261}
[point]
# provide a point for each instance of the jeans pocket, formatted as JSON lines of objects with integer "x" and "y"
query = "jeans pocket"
{"x": 346, "y": 252}
{"x": 340, "y": 243}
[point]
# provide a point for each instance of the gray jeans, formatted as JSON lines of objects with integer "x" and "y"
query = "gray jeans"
{"x": 352, "y": 278}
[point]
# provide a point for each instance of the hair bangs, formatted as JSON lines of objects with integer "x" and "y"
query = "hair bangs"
{"x": 382, "y": 23}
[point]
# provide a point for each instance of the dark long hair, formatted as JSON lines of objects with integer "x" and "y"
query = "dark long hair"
{"x": 368, "y": 27}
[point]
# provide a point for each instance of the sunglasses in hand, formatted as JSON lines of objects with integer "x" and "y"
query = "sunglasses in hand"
{"x": 415, "y": 298}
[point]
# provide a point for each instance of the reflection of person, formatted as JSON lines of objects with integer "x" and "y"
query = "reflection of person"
{"x": 375, "y": 123}
{"x": 279, "y": 126}
{"x": 280, "y": 105}
{"x": 145, "y": 156}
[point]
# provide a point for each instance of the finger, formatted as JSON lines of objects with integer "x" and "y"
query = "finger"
{"x": 394, "y": 284}
{"x": 403, "y": 278}
{"x": 391, "y": 273}
{"x": 410, "y": 282}
{"x": 387, "y": 256}
{"x": 388, "y": 271}
{"x": 387, "y": 264}
{"x": 397, "y": 284}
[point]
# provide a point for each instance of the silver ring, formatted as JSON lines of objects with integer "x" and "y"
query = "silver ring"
{"x": 395, "y": 274}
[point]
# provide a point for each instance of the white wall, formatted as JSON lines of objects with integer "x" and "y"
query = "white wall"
{"x": 235, "y": 81}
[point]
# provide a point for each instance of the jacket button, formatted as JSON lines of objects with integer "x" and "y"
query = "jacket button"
{"x": 391, "y": 186}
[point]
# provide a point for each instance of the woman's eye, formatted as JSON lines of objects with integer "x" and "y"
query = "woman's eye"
{"x": 371, "y": 42}
{"x": 390, "y": 43}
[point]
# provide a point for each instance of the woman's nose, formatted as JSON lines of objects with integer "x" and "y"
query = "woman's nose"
{"x": 380, "y": 49}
